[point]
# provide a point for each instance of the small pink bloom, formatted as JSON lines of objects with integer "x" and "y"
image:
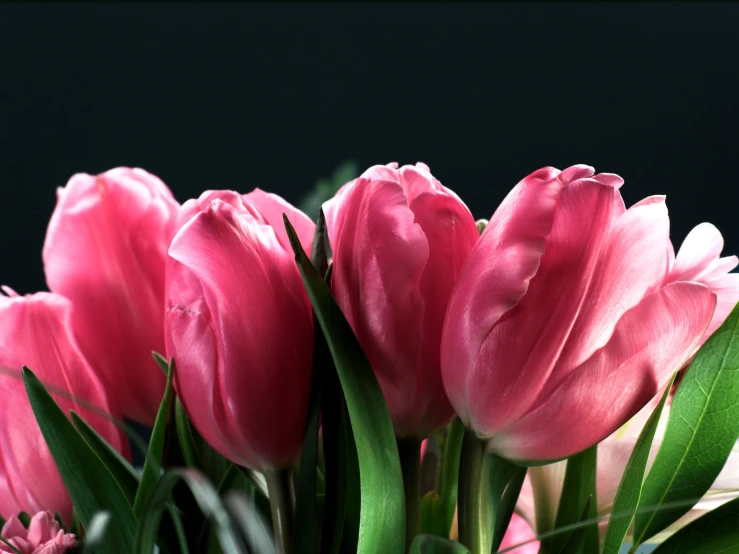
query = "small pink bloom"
{"x": 43, "y": 536}
{"x": 518, "y": 532}
{"x": 563, "y": 322}
{"x": 36, "y": 331}
{"x": 399, "y": 239}
{"x": 105, "y": 250}
{"x": 239, "y": 325}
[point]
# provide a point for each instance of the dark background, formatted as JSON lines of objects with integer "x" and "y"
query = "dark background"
{"x": 275, "y": 96}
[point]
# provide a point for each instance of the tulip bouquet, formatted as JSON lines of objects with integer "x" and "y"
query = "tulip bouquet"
{"x": 395, "y": 377}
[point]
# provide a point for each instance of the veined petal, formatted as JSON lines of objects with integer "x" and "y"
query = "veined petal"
{"x": 271, "y": 207}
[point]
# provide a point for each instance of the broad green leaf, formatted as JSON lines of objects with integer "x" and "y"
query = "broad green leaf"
{"x": 432, "y": 516}
{"x": 382, "y": 525}
{"x": 90, "y": 484}
{"x": 701, "y": 430}
{"x": 449, "y": 471}
{"x": 206, "y": 497}
{"x": 507, "y": 499}
{"x": 153, "y": 461}
{"x": 713, "y": 533}
{"x": 629, "y": 491}
{"x": 578, "y": 492}
{"x": 430, "y": 544}
{"x": 122, "y": 471}
{"x": 576, "y": 539}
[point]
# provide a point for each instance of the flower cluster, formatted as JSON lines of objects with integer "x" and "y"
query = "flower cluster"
{"x": 543, "y": 330}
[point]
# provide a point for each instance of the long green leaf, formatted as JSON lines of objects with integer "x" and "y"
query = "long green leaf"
{"x": 578, "y": 492}
{"x": 449, "y": 471}
{"x": 507, "y": 503}
{"x": 432, "y": 516}
{"x": 713, "y": 533}
{"x": 430, "y": 544}
{"x": 208, "y": 500}
{"x": 629, "y": 491}
{"x": 153, "y": 461}
{"x": 701, "y": 431}
{"x": 575, "y": 540}
{"x": 382, "y": 525}
{"x": 123, "y": 472}
{"x": 90, "y": 484}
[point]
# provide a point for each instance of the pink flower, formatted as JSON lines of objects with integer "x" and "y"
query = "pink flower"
{"x": 239, "y": 325}
{"x": 105, "y": 250}
{"x": 399, "y": 239}
{"x": 43, "y": 536}
{"x": 518, "y": 532}
{"x": 569, "y": 315}
{"x": 36, "y": 331}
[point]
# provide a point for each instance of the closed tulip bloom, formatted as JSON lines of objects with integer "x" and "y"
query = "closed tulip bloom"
{"x": 570, "y": 315}
{"x": 239, "y": 325}
{"x": 399, "y": 239}
{"x": 105, "y": 250}
{"x": 36, "y": 331}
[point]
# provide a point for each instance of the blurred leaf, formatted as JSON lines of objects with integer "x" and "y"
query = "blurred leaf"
{"x": 208, "y": 500}
{"x": 382, "y": 526}
{"x": 153, "y": 462}
{"x": 575, "y": 540}
{"x": 24, "y": 518}
{"x": 716, "y": 531}
{"x": 254, "y": 528}
{"x": 324, "y": 189}
{"x": 99, "y": 537}
{"x": 12, "y": 548}
{"x": 90, "y": 484}
{"x": 449, "y": 471}
{"x": 629, "y": 491}
{"x": 701, "y": 430}
{"x": 506, "y": 498}
{"x": 429, "y": 544}
{"x": 433, "y": 521}
{"x": 578, "y": 501}
{"x": 122, "y": 471}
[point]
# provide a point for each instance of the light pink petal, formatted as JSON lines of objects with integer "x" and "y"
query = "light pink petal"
{"x": 271, "y": 207}
{"x": 379, "y": 255}
{"x": 649, "y": 343}
{"x": 518, "y": 532}
{"x": 43, "y": 528}
{"x": 726, "y": 289}
{"x": 13, "y": 528}
{"x": 496, "y": 276}
{"x": 700, "y": 249}
{"x": 253, "y": 290}
{"x": 521, "y": 351}
{"x": 105, "y": 250}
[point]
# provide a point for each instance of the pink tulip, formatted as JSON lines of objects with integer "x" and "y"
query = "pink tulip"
{"x": 105, "y": 250}
{"x": 43, "y": 536}
{"x": 399, "y": 239}
{"x": 519, "y": 532}
{"x": 239, "y": 325}
{"x": 568, "y": 317}
{"x": 36, "y": 331}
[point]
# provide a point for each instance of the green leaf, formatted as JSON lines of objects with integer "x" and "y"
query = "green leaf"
{"x": 433, "y": 521}
{"x": 575, "y": 540}
{"x": 207, "y": 498}
{"x": 449, "y": 471}
{"x": 701, "y": 431}
{"x": 122, "y": 471}
{"x": 715, "y": 532}
{"x": 91, "y": 485}
{"x": 184, "y": 434}
{"x": 382, "y": 525}
{"x": 578, "y": 493}
{"x": 256, "y": 531}
{"x": 25, "y": 519}
{"x": 99, "y": 537}
{"x": 153, "y": 461}
{"x": 629, "y": 491}
{"x": 429, "y": 544}
{"x": 506, "y": 499}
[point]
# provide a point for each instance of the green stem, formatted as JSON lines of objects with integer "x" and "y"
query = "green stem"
{"x": 449, "y": 471}
{"x": 476, "y": 511}
{"x": 280, "y": 502}
{"x": 409, "y": 451}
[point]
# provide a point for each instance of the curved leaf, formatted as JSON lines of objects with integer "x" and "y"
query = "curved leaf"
{"x": 429, "y": 544}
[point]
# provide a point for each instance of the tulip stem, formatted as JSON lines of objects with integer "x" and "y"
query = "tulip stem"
{"x": 278, "y": 487}
{"x": 409, "y": 451}
{"x": 476, "y": 510}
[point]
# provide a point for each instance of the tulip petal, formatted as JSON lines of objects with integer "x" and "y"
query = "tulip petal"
{"x": 252, "y": 285}
{"x": 698, "y": 251}
{"x": 726, "y": 289}
{"x": 496, "y": 276}
{"x": 649, "y": 343}
{"x": 271, "y": 207}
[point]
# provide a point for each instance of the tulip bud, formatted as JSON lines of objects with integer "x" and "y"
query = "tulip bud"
{"x": 36, "y": 331}
{"x": 105, "y": 250}
{"x": 239, "y": 325}
{"x": 563, "y": 322}
{"x": 399, "y": 239}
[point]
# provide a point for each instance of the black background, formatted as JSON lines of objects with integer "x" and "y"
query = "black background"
{"x": 243, "y": 95}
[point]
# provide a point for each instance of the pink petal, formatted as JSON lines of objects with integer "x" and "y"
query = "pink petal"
{"x": 522, "y": 349}
{"x": 700, "y": 249}
{"x": 496, "y": 276}
{"x": 271, "y": 207}
{"x": 726, "y": 289}
{"x": 649, "y": 343}
{"x": 518, "y": 532}
{"x": 251, "y": 287}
